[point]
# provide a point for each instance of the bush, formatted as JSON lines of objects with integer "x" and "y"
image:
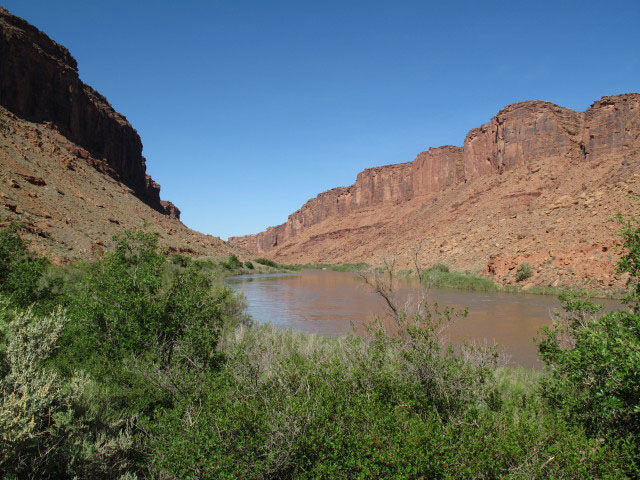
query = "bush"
{"x": 21, "y": 271}
{"x": 133, "y": 315}
{"x": 180, "y": 260}
{"x": 289, "y": 405}
{"x": 249, "y": 264}
{"x": 593, "y": 362}
{"x": 265, "y": 261}
{"x": 524, "y": 272}
{"x": 439, "y": 267}
{"x": 232, "y": 263}
{"x": 630, "y": 262}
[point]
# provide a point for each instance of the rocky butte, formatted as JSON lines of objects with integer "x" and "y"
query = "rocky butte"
{"x": 72, "y": 170}
{"x": 538, "y": 183}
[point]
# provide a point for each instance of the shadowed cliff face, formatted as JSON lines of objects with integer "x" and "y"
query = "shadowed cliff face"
{"x": 39, "y": 82}
{"x": 492, "y": 176}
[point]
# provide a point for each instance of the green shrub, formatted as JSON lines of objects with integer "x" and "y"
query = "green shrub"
{"x": 289, "y": 405}
{"x": 439, "y": 267}
{"x": 265, "y": 261}
{"x": 630, "y": 261}
{"x": 21, "y": 271}
{"x": 180, "y": 260}
{"x": 133, "y": 315}
{"x": 232, "y": 263}
{"x": 593, "y": 363}
{"x": 249, "y": 264}
{"x": 524, "y": 272}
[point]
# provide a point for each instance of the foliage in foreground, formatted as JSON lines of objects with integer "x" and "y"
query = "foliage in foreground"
{"x": 152, "y": 371}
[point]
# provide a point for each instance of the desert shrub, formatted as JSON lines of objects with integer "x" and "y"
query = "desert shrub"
{"x": 439, "y": 267}
{"x": 44, "y": 432}
{"x": 21, "y": 271}
{"x": 288, "y": 405}
{"x": 180, "y": 260}
{"x": 128, "y": 305}
{"x": 629, "y": 262}
{"x": 524, "y": 272}
{"x": 249, "y": 264}
{"x": 232, "y": 263}
{"x": 265, "y": 261}
{"x": 593, "y": 364}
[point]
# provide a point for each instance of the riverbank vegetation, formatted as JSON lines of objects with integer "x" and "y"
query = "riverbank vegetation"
{"x": 141, "y": 365}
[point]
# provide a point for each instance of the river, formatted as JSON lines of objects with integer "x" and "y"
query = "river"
{"x": 334, "y": 303}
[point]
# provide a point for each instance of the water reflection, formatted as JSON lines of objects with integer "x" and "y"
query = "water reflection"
{"x": 333, "y": 303}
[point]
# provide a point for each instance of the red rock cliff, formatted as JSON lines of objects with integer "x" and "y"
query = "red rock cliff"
{"x": 520, "y": 134}
{"x": 39, "y": 82}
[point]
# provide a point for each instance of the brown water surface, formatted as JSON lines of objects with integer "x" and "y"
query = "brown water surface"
{"x": 333, "y": 303}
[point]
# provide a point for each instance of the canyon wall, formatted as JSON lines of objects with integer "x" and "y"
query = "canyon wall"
{"x": 39, "y": 82}
{"x": 524, "y": 133}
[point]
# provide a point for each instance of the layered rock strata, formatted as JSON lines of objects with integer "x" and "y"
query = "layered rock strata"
{"x": 520, "y": 134}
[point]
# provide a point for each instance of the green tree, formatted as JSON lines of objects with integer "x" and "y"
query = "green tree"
{"x": 134, "y": 317}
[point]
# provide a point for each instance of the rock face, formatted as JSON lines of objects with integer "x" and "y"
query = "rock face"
{"x": 521, "y": 133}
{"x": 537, "y": 178}
{"x": 432, "y": 170}
{"x": 39, "y": 82}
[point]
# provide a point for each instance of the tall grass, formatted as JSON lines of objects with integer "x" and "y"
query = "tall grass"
{"x": 462, "y": 281}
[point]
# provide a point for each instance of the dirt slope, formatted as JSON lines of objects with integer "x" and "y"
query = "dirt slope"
{"x": 69, "y": 207}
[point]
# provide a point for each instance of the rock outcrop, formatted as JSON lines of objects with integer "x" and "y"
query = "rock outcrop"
{"x": 534, "y": 167}
{"x": 520, "y": 134}
{"x": 72, "y": 172}
{"x": 39, "y": 82}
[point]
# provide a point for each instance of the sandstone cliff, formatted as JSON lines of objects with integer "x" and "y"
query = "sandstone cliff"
{"x": 531, "y": 157}
{"x": 39, "y": 82}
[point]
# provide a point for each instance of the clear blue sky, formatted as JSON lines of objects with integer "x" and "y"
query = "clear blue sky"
{"x": 246, "y": 109}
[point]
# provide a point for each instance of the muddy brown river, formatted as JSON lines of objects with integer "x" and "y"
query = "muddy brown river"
{"x": 334, "y": 303}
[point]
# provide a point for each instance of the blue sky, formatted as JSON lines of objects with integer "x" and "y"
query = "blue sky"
{"x": 247, "y": 109}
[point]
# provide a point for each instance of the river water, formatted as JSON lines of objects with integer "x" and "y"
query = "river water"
{"x": 337, "y": 303}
